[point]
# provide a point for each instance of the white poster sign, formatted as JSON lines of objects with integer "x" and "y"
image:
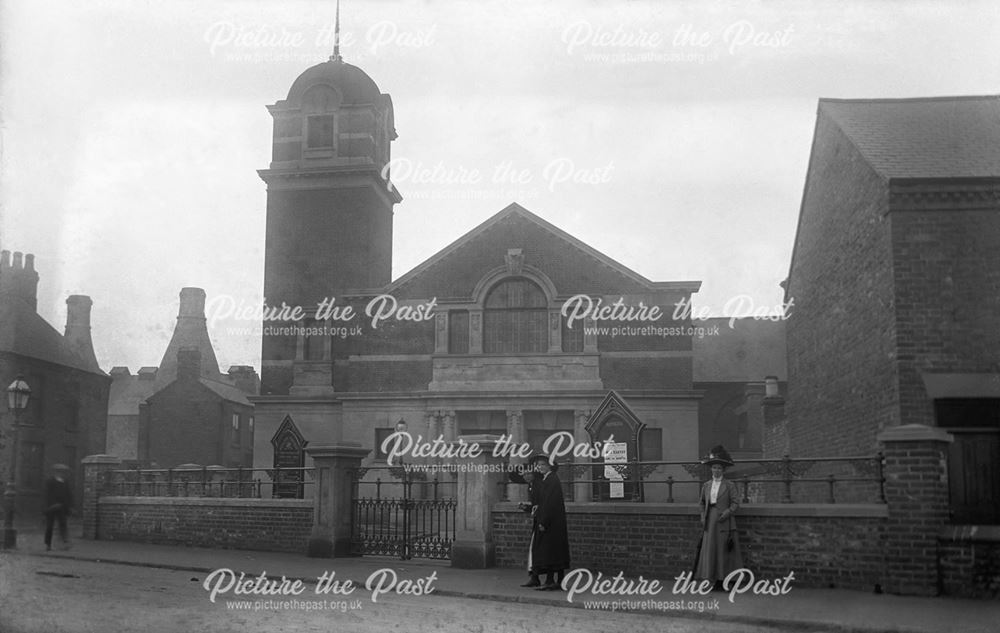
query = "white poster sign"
{"x": 615, "y": 453}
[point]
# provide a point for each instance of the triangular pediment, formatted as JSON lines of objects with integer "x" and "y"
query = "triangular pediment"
{"x": 614, "y": 406}
{"x": 288, "y": 433}
{"x": 573, "y": 266}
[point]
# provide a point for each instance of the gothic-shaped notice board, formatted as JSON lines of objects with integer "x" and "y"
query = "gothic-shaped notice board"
{"x": 289, "y": 453}
{"x": 616, "y": 477}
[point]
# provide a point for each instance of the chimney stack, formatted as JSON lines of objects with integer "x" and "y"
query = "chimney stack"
{"x": 191, "y": 332}
{"x": 78, "y": 329}
{"x": 18, "y": 277}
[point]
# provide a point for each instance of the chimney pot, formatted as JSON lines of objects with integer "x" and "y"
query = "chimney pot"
{"x": 192, "y": 303}
{"x": 5, "y": 259}
{"x": 17, "y": 260}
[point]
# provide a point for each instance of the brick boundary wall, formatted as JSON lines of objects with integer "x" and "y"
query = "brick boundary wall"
{"x": 825, "y": 545}
{"x": 269, "y": 525}
{"x": 970, "y": 561}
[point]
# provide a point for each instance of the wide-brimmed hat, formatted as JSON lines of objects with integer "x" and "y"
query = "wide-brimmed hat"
{"x": 552, "y": 462}
{"x": 718, "y": 455}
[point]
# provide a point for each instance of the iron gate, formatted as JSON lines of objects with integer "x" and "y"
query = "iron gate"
{"x": 402, "y": 514}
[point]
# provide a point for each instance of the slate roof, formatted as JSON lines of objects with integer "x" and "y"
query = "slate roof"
{"x": 939, "y": 137}
{"x": 226, "y": 392}
{"x": 24, "y": 332}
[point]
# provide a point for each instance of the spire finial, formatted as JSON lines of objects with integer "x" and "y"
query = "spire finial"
{"x": 336, "y": 38}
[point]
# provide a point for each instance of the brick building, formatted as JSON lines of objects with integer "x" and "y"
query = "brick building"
{"x": 895, "y": 276}
{"x": 185, "y": 411}
{"x": 65, "y": 418}
{"x": 475, "y": 339}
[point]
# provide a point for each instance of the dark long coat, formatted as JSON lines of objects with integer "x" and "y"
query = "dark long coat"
{"x": 716, "y": 560}
{"x": 550, "y": 547}
{"x": 58, "y": 496}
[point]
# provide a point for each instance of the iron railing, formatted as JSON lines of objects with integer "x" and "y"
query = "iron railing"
{"x": 786, "y": 480}
{"x": 210, "y": 481}
{"x": 404, "y": 515}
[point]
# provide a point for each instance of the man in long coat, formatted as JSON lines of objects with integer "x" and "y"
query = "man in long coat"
{"x": 550, "y": 543}
{"x": 58, "y": 504}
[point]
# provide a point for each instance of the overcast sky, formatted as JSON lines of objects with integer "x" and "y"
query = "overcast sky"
{"x": 132, "y": 132}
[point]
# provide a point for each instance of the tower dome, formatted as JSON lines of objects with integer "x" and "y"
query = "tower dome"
{"x": 353, "y": 84}
{"x": 334, "y": 116}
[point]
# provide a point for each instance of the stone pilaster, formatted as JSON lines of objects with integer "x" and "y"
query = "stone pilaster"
{"x": 477, "y": 491}
{"x": 441, "y": 333}
{"x": 517, "y": 435}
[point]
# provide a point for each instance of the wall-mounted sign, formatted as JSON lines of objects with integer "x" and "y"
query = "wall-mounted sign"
{"x": 615, "y": 453}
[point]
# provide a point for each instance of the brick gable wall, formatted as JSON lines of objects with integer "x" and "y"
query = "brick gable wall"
{"x": 843, "y": 386}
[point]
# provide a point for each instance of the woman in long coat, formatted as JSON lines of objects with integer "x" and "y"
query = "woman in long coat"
{"x": 720, "y": 548}
{"x": 550, "y": 543}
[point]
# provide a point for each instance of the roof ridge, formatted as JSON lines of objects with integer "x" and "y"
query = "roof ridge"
{"x": 910, "y": 99}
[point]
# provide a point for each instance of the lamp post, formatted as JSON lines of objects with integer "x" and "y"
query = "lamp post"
{"x": 18, "y": 394}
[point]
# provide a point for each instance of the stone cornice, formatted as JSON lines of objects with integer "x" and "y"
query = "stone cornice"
{"x": 331, "y": 178}
{"x": 962, "y": 194}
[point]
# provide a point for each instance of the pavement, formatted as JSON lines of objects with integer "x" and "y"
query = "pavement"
{"x": 800, "y": 609}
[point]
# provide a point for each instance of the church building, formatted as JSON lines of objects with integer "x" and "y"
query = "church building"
{"x": 476, "y": 338}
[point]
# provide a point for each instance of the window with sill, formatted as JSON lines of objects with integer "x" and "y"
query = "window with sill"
{"x": 320, "y": 132}
{"x": 515, "y": 318}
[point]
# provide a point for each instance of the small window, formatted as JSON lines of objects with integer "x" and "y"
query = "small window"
{"x": 320, "y": 131}
{"x": 458, "y": 332}
{"x": 572, "y": 339}
{"x": 236, "y": 421}
{"x": 250, "y": 424}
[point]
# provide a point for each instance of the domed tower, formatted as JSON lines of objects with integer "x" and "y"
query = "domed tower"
{"x": 329, "y": 198}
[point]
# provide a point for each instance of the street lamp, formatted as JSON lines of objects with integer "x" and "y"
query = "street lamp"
{"x": 18, "y": 394}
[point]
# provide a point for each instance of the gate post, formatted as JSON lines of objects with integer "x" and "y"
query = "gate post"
{"x": 476, "y": 493}
{"x": 333, "y": 496}
{"x": 916, "y": 492}
{"x": 95, "y": 468}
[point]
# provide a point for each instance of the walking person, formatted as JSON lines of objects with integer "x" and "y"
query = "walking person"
{"x": 550, "y": 541}
{"x": 58, "y": 504}
{"x": 720, "y": 548}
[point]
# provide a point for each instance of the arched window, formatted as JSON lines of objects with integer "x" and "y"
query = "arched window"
{"x": 515, "y": 317}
